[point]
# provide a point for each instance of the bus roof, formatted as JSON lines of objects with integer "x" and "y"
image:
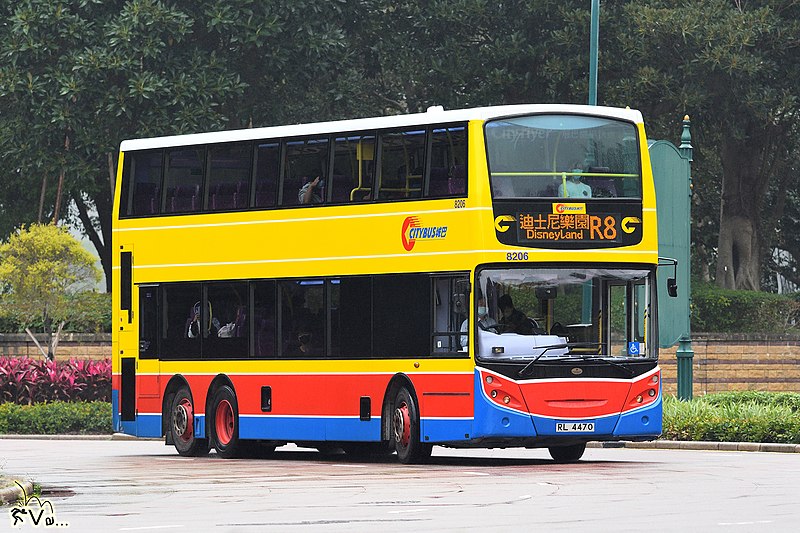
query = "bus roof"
{"x": 434, "y": 115}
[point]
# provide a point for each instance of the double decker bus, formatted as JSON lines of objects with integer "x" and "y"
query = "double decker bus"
{"x": 465, "y": 278}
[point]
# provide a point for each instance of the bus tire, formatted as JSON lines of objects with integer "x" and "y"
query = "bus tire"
{"x": 567, "y": 454}
{"x": 224, "y": 423}
{"x": 181, "y": 425}
{"x": 406, "y": 429}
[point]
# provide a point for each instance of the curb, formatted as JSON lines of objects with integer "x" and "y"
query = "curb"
{"x": 702, "y": 445}
{"x": 115, "y": 436}
{"x": 13, "y": 493}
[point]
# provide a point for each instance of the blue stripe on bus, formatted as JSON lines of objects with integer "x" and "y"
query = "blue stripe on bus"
{"x": 143, "y": 426}
{"x": 115, "y": 411}
{"x": 446, "y": 429}
{"x": 308, "y": 428}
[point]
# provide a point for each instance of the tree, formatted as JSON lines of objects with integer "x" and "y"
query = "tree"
{"x": 733, "y": 67}
{"x": 76, "y": 78}
{"x": 41, "y": 266}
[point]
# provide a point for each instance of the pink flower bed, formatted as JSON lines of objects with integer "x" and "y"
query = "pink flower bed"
{"x": 27, "y": 381}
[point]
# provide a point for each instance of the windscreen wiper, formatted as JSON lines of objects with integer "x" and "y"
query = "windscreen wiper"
{"x": 548, "y": 347}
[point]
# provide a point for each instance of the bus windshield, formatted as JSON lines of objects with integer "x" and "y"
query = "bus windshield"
{"x": 563, "y": 156}
{"x": 546, "y": 313}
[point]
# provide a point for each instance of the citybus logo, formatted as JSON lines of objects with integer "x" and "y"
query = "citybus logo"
{"x": 572, "y": 209}
{"x": 414, "y": 231}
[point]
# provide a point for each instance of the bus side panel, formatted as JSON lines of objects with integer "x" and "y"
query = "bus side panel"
{"x": 321, "y": 407}
{"x": 446, "y": 406}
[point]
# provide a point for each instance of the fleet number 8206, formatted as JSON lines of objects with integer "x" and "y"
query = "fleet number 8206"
{"x": 517, "y": 256}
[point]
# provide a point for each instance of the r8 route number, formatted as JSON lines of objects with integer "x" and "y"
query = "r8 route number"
{"x": 517, "y": 256}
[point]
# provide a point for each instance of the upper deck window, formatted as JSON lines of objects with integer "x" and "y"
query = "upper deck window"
{"x": 184, "y": 180}
{"x": 563, "y": 156}
{"x": 144, "y": 170}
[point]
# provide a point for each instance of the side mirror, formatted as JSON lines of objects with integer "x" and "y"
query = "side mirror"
{"x": 672, "y": 284}
{"x": 672, "y": 287}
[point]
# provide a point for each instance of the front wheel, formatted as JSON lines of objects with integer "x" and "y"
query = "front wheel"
{"x": 181, "y": 426}
{"x": 567, "y": 454}
{"x": 225, "y": 423}
{"x": 406, "y": 430}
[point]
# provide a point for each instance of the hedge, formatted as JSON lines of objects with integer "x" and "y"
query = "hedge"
{"x": 728, "y": 311}
{"x": 53, "y": 418}
{"x": 734, "y": 417}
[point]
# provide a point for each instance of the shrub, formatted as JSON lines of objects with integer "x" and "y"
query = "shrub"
{"x": 53, "y": 418}
{"x": 748, "y": 416}
{"x": 26, "y": 381}
{"x": 729, "y": 311}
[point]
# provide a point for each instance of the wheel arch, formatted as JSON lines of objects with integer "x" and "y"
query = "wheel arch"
{"x": 397, "y": 382}
{"x": 175, "y": 383}
{"x": 219, "y": 381}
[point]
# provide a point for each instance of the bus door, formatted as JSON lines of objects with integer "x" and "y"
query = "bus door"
{"x": 125, "y": 347}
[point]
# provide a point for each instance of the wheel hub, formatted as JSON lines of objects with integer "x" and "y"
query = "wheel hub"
{"x": 224, "y": 422}
{"x": 182, "y": 418}
{"x": 402, "y": 426}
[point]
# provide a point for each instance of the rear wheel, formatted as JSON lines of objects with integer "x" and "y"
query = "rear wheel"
{"x": 225, "y": 423}
{"x": 567, "y": 454}
{"x": 406, "y": 430}
{"x": 181, "y": 426}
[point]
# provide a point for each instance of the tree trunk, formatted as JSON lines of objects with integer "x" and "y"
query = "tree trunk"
{"x": 738, "y": 253}
{"x": 41, "y": 198}
{"x": 746, "y": 170}
{"x": 95, "y": 237}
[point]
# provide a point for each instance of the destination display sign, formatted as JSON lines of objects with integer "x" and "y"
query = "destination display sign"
{"x": 557, "y": 224}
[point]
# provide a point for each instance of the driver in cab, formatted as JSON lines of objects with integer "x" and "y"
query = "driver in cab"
{"x": 513, "y": 320}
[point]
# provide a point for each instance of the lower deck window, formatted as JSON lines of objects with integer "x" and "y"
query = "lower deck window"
{"x": 380, "y": 316}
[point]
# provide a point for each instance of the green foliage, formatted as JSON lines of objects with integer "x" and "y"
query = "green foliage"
{"x": 734, "y": 417}
{"x": 85, "y": 312}
{"x": 41, "y": 266}
{"x": 89, "y": 312}
{"x": 729, "y": 311}
{"x": 72, "y": 418}
{"x": 77, "y": 78}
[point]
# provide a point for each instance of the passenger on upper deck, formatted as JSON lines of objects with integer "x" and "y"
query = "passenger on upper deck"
{"x": 572, "y": 186}
{"x": 311, "y": 192}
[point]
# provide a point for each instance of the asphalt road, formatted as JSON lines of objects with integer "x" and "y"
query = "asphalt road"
{"x": 145, "y": 486}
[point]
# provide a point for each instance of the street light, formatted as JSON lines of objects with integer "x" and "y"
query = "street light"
{"x": 593, "y": 38}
